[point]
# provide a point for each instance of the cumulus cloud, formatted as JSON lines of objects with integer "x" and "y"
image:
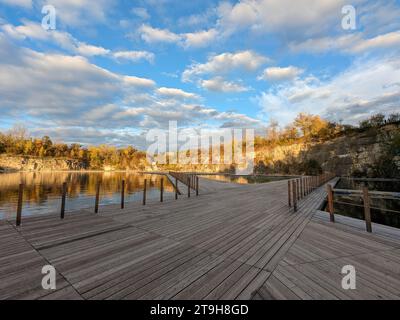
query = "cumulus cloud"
{"x": 280, "y": 74}
{"x": 388, "y": 40}
{"x": 196, "y": 39}
{"x": 66, "y": 41}
{"x": 68, "y": 96}
{"x": 351, "y": 44}
{"x": 19, "y": 3}
{"x": 218, "y": 84}
{"x": 141, "y": 13}
{"x": 154, "y": 35}
{"x": 138, "y": 82}
{"x": 293, "y": 18}
{"x": 200, "y": 38}
{"x": 134, "y": 56}
{"x": 80, "y": 13}
{"x": 34, "y": 31}
{"x": 366, "y": 87}
{"x": 176, "y": 93}
{"x": 224, "y": 63}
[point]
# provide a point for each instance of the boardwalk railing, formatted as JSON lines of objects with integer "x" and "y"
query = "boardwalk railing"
{"x": 190, "y": 180}
{"x": 301, "y": 187}
{"x": 366, "y": 196}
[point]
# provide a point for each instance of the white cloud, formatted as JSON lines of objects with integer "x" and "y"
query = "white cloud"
{"x": 201, "y": 19}
{"x": 134, "y": 55}
{"x": 19, "y": 3}
{"x": 176, "y": 93}
{"x": 351, "y": 44}
{"x": 388, "y": 40}
{"x": 187, "y": 40}
{"x": 90, "y": 50}
{"x": 33, "y": 30}
{"x": 280, "y": 74}
{"x": 282, "y": 16}
{"x": 141, "y": 13}
{"x": 153, "y": 35}
{"x": 226, "y": 62}
{"x": 200, "y": 38}
{"x": 80, "y": 13}
{"x": 69, "y": 96}
{"x": 138, "y": 82}
{"x": 366, "y": 87}
{"x": 218, "y": 84}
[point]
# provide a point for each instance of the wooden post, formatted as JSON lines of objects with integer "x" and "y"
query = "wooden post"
{"x": 162, "y": 190}
{"x": 294, "y": 187}
{"x": 144, "y": 191}
{"x": 367, "y": 209}
{"x": 176, "y": 188}
{"x": 96, "y": 204}
{"x": 289, "y": 197}
{"x": 298, "y": 189}
{"x": 301, "y": 188}
{"x": 188, "y": 183}
{"x": 197, "y": 186}
{"x": 19, "y": 208}
{"x": 330, "y": 203}
{"x": 63, "y": 196}
{"x": 123, "y": 194}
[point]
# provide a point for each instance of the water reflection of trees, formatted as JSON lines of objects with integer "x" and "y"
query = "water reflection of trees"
{"x": 39, "y": 187}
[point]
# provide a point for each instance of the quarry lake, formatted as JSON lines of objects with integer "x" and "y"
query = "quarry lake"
{"x": 42, "y": 190}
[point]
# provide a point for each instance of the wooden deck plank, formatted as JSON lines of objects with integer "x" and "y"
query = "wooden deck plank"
{"x": 231, "y": 242}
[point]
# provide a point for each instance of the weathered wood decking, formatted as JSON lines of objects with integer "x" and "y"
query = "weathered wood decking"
{"x": 231, "y": 242}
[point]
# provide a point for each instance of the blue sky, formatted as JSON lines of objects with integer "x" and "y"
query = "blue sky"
{"x": 112, "y": 70}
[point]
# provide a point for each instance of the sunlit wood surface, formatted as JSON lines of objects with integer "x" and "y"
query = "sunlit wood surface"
{"x": 231, "y": 242}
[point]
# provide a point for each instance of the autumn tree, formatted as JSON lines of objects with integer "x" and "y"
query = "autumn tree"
{"x": 310, "y": 125}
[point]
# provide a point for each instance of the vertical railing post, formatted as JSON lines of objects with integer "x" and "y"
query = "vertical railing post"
{"x": 301, "y": 187}
{"x": 294, "y": 188}
{"x": 367, "y": 209}
{"x": 144, "y": 191}
{"x": 19, "y": 207}
{"x": 96, "y": 204}
{"x": 188, "y": 185}
{"x": 298, "y": 189}
{"x": 197, "y": 186}
{"x": 162, "y": 190}
{"x": 63, "y": 196}
{"x": 289, "y": 197}
{"x": 330, "y": 203}
{"x": 123, "y": 194}
{"x": 176, "y": 188}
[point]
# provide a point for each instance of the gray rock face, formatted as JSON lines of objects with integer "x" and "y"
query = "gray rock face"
{"x": 15, "y": 163}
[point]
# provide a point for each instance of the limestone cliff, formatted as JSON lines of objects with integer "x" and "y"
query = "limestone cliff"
{"x": 21, "y": 163}
{"x": 343, "y": 155}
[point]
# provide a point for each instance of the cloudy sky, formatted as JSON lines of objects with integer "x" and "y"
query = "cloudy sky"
{"x": 111, "y": 70}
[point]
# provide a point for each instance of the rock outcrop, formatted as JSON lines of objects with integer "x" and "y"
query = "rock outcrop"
{"x": 21, "y": 163}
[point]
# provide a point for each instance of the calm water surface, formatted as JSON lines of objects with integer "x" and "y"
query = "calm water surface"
{"x": 43, "y": 190}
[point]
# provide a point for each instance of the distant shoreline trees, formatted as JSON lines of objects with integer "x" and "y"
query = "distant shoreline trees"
{"x": 16, "y": 142}
{"x": 305, "y": 128}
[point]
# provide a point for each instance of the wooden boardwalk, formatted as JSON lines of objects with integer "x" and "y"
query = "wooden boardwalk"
{"x": 231, "y": 242}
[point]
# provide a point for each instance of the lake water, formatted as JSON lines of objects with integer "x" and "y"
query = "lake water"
{"x": 42, "y": 190}
{"x": 244, "y": 179}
